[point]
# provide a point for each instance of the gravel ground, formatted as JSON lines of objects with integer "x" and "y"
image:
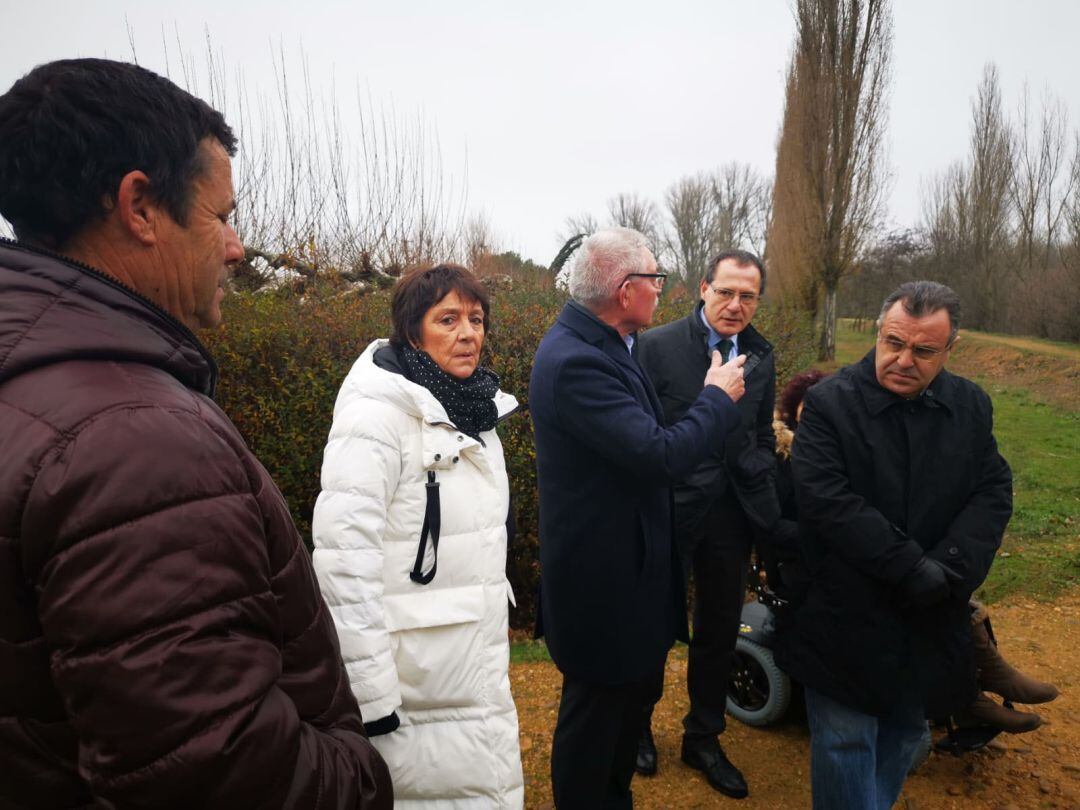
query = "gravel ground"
{"x": 1036, "y": 770}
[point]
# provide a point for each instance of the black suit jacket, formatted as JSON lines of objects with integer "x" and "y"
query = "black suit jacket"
{"x": 611, "y": 599}
{"x": 676, "y": 357}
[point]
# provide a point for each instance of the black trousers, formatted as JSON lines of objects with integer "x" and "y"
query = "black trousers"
{"x": 719, "y": 563}
{"x": 595, "y": 745}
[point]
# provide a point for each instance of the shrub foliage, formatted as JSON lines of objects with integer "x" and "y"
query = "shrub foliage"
{"x": 283, "y": 357}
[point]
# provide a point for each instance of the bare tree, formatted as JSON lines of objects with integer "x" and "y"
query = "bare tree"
{"x": 741, "y": 201}
{"x": 584, "y": 223}
{"x": 632, "y": 211}
{"x": 690, "y": 208}
{"x": 1042, "y": 180}
{"x": 989, "y": 200}
{"x": 944, "y": 203}
{"x": 709, "y": 213}
{"x": 831, "y": 176}
{"x": 968, "y": 210}
{"x": 320, "y": 186}
{"x": 1070, "y": 252}
{"x": 479, "y": 239}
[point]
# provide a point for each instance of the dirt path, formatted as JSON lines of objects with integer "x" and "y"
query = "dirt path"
{"x": 1072, "y": 352}
{"x": 1036, "y": 770}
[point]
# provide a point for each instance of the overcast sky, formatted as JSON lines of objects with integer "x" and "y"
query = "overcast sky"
{"x": 557, "y": 106}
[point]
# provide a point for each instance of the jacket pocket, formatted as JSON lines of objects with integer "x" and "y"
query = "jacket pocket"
{"x": 438, "y": 646}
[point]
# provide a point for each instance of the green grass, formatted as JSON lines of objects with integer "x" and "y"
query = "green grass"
{"x": 528, "y": 652}
{"x": 1040, "y": 555}
{"x": 535, "y": 651}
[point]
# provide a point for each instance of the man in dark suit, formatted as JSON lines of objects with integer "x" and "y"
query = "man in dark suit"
{"x": 611, "y": 599}
{"x": 719, "y": 503}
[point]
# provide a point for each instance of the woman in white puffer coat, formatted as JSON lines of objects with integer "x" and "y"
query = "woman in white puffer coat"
{"x": 410, "y": 549}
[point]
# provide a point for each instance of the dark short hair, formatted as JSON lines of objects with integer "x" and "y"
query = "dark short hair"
{"x": 742, "y": 258}
{"x": 422, "y": 288}
{"x": 70, "y": 130}
{"x": 921, "y": 298}
{"x": 792, "y": 395}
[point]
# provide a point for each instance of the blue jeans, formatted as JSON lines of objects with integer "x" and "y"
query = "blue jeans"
{"x": 858, "y": 761}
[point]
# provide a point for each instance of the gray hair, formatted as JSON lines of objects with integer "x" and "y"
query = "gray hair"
{"x": 603, "y": 262}
{"x": 921, "y": 298}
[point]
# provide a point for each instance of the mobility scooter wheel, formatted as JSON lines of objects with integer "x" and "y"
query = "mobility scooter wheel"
{"x": 759, "y": 691}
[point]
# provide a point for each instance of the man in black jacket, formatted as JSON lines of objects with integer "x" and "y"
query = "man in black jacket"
{"x": 903, "y": 500}
{"x": 720, "y": 502}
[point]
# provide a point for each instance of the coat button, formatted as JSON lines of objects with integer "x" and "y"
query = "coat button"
{"x": 455, "y": 459}
{"x": 954, "y": 551}
{"x": 438, "y": 456}
{"x": 460, "y": 438}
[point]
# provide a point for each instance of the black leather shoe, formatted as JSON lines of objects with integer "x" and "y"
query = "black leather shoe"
{"x": 709, "y": 758}
{"x": 645, "y": 764}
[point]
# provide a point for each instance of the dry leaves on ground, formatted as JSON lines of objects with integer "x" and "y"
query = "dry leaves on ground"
{"x": 1036, "y": 770}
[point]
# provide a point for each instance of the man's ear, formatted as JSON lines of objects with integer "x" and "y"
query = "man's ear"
{"x": 952, "y": 344}
{"x": 138, "y": 211}
{"x": 702, "y": 288}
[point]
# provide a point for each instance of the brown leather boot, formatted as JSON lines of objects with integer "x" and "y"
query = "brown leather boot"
{"x": 986, "y": 712}
{"x": 997, "y": 676}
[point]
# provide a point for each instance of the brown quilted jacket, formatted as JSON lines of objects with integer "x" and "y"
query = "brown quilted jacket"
{"x": 163, "y": 642}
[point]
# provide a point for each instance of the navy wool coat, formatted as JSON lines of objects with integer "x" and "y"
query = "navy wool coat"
{"x": 612, "y": 597}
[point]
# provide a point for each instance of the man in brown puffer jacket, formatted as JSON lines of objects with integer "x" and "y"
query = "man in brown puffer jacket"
{"x": 163, "y": 642}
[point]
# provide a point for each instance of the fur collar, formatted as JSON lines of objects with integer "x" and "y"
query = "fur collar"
{"x": 784, "y": 436}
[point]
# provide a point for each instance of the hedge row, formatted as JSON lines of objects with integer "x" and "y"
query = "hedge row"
{"x": 282, "y": 358}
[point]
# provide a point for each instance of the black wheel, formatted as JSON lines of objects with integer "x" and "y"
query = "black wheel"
{"x": 759, "y": 692}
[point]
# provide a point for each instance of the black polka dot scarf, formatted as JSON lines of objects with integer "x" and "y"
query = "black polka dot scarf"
{"x": 469, "y": 403}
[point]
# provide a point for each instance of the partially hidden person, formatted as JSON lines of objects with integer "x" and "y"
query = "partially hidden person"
{"x": 721, "y": 504}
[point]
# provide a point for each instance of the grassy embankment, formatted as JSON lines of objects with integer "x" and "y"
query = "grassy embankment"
{"x": 1035, "y": 386}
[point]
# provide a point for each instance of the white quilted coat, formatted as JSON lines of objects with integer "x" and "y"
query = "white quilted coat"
{"x": 435, "y": 654}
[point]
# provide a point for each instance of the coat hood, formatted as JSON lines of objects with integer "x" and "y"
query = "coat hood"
{"x": 58, "y": 310}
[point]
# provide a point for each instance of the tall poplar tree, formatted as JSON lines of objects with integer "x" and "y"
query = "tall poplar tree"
{"x": 831, "y": 172}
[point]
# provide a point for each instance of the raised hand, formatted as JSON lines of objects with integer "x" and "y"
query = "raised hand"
{"x": 728, "y": 377}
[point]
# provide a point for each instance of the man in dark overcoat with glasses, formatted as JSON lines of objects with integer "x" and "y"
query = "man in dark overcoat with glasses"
{"x": 903, "y": 500}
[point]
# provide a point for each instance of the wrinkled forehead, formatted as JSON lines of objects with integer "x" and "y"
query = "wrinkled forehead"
{"x": 930, "y": 328}
{"x": 457, "y": 300}
{"x": 732, "y": 275}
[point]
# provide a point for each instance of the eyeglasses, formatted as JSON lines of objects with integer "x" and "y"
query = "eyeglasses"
{"x": 897, "y": 346}
{"x": 658, "y": 278}
{"x": 726, "y": 296}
